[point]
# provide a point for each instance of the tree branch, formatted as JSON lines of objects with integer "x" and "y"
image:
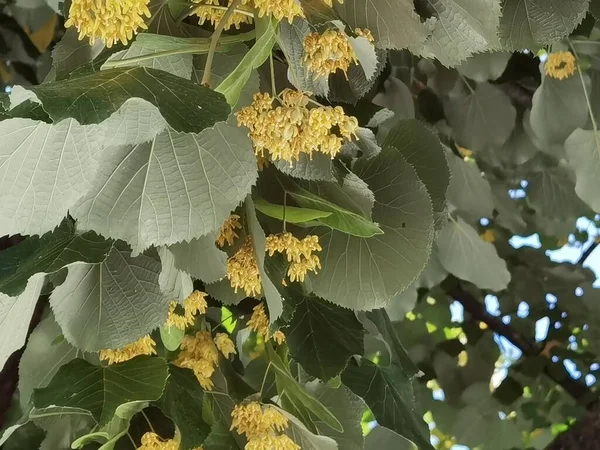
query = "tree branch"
{"x": 586, "y": 254}
{"x": 579, "y": 391}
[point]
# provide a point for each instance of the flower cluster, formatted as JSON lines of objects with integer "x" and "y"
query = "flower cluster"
{"x": 328, "y": 52}
{"x": 152, "y": 441}
{"x": 108, "y": 20}
{"x": 143, "y": 346}
{"x": 227, "y": 233}
{"x": 242, "y": 270}
{"x": 366, "y": 33}
{"x": 279, "y": 9}
{"x": 560, "y": 65}
{"x": 193, "y": 305}
{"x": 259, "y": 321}
{"x": 199, "y": 354}
{"x": 224, "y": 344}
{"x": 298, "y": 252}
{"x": 262, "y": 427}
{"x": 291, "y": 129}
{"x": 212, "y": 11}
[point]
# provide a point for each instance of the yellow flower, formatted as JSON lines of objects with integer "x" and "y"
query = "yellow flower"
{"x": 560, "y": 65}
{"x": 328, "y": 52}
{"x": 108, "y": 20}
{"x": 242, "y": 270}
{"x": 488, "y": 236}
{"x": 152, "y": 441}
{"x": 224, "y": 344}
{"x": 366, "y": 33}
{"x": 279, "y": 9}
{"x": 261, "y": 427}
{"x": 291, "y": 129}
{"x": 143, "y": 346}
{"x": 212, "y": 11}
{"x": 298, "y": 252}
{"x": 193, "y": 305}
{"x": 199, "y": 354}
{"x": 227, "y": 232}
{"x": 259, "y": 321}
{"x": 279, "y": 337}
{"x": 269, "y": 442}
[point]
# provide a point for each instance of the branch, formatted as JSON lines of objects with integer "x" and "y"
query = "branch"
{"x": 585, "y": 255}
{"x": 579, "y": 391}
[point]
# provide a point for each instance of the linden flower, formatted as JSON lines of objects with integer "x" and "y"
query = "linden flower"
{"x": 224, "y": 344}
{"x": 193, "y": 305}
{"x": 279, "y": 337}
{"x": 261, "y": 427}
{"x": 259, "y": 321}
{"x": 291, "y": 129}
{"x": 279, "y": 9}
{"x": 108, "y": 20}
{"x": 143, "y": 346}
{"x": 227, "y": 232}
{"x": 488, "y": 236}
{"x": 242, "y": 270}
{"x": 268, "y": 442}
{"x": 366, "y": 33}
{"x": 560, "y": 65}
{"x": 199, "y": 354}
{"x": 211, "y": 11}
{"x": 298, "y": 252}
{"x": 152, "y": 441}
{"x": 329, "y": 52}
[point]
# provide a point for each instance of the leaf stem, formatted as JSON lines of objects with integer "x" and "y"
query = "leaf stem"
{"x": 131, "y": 439}
{"x": 284, "y": 205}
{"x": 148, "y": 420}
{"x": 466, "y": 82}
{"x": 214, "y": 39}
{"x": 272, "y": 67}
{"x": 224, "y": 8}
{"x": 585, "y": 91}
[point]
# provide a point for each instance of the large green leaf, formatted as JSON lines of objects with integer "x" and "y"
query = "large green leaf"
{"x": 322, "y": 336}
{"x": 291, "y": 214}
{"x": 483, "y": 119}
{"x": 231, "y": 87}
{"x": 293, "y": 390}
{"x": 48, "y": 254}
{"x": 101, "y": 390}
{"x": 394, "y": 23}
{"x": 44, "y": 169}
{"x": 177, "y": 187}
{"x": 363, "y": 273}
{"x": 583, "y": 151}
{"x": 531, "y": 24}
{"x": 111, "y": 303}
{"x": 304, "y": 438}
{"x": 15, "y": 315}
{"x": 92, "y": 98}
{"x": 201, "y": 258}
{"x": 45, "y": 353}
{"x": 458, "y": 246}
{"x": 314, "y": 167}
{"x": 389, "y": 392}
{"x": 181, "y": 401}
{"x": 71, "y": 52}
{"x": 174, "y": 283}
{"x": 219, "y": 438}
{"x": 422, "y": 149}
{"x": 558, "y": 108}
{"x": 383, "y": 438}
{"x": 341, "y": 219}
{"x": 484, "y": 66}
{"x": 463, "y": 27}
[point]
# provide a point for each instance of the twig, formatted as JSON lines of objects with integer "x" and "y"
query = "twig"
{"x": 214, "y": 39}
{"x": 586, "y": 254}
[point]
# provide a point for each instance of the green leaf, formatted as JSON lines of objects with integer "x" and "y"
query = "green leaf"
{"x": 15, "y": 315}
{"x": 293, "y": 390}
{"x": 171, "y": 337}
{"x": 348, "y": 408}
{"x": 469, "y": 191}
{"x": 174, "y": 284}
{"x": 383, "y": 438}
{"x": 367, "y": 273}
{"x": 462, "y": 28}
{"x": 583, "y": 151}
{"x": 272, "y": 296}
{"x": 322, "y": 336}
{"x": 558, "y": 108}
{"x": 291, "y": 214}
{"x": 28, "y": 436}
{"x": 42, "y": 358}
{"x": 532, "y": 24}
{"x": 181, "y": 401}
{"x": 101, "y": 390}
{"x": 219, "y": 438}
{"x": 93, "y": 98}
{"x": 71, "y": 52}
{"x": 483, "y": 119}
{"x": 48, "y": 254}
{"x": 231, "y": 87}
{"x": 197, "y": 178}
{"x": 484, "y": 66}
{"x": 44, "y": 169}
{"x": 118, "y": 298}
{"x": 389, "y": 393}
{"x": 458, "y": 246}
{"x": 201, "y": 258}
{"x": 342, "y": 220}
{"x": 302, "y": 436}
{"x": 394, "y": 23}
{"x": 421, "y": 148}
{"x": 317, "y": 167}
